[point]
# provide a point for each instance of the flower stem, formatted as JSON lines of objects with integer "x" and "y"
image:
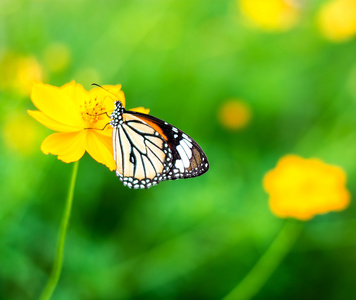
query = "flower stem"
{"x": 57, "y": 266}
{"x": 268, "y": 262}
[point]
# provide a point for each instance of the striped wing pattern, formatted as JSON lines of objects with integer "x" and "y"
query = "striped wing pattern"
{"x": 143, "y": 158}
{"x": 148, "y": 150}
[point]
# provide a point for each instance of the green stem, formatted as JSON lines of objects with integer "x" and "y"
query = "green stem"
{"x": 268, "y": 262}
{"x": 57, "y": 266}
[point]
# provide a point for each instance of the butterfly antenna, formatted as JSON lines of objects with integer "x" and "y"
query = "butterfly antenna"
{"x": 98, "y": 85}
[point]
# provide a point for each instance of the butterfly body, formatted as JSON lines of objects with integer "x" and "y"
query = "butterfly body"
{"x": 148, "y": 150}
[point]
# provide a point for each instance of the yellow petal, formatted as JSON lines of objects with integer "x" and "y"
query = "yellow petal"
{"x": 58, "y": 103}
{"x": 109, "y": 94}
{"x": 76, "y": 92}
{"x": 69, "y": 147}
{"x": 107, "y": 132}
{"x": 50, "y": 123}
{"x": 116, "y": 90}
{"x": 141, "y": 109}
{"x": 100, "y": 148}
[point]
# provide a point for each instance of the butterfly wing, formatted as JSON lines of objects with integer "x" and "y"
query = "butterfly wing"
{"x": 189, "y": 160}
{"x": 148, "y": 150}
{"x": 142, "y": 156}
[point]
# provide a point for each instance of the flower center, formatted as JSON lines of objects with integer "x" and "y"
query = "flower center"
{"x": 93, "y": 110}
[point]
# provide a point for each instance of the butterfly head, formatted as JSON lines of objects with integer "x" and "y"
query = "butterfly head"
{"x": 116, "y": 115}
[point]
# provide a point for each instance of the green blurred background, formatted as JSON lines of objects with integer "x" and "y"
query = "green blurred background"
{"x": 185, "y": 239}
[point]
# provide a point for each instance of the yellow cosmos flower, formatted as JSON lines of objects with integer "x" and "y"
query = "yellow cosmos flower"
{"x": 80, "y": 118}
{"x": 337, "y": 20}
{"x": 301, "y": 188}
{"x": 271, "y": 15}
{"x": 234, "y": 114}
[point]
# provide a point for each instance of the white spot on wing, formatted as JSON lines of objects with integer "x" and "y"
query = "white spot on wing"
{"x": 189, "y": 144}
{"x": 187, "y": 137}
{"x": 179, "y": 165}
{"x": 188, "y": 151}
{"x": 183, "y": 156}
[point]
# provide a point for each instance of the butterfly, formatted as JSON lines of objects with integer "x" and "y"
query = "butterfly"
{"x": 148, "y": 150}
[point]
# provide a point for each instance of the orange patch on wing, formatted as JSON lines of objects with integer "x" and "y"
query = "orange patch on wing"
{"x": 155, "y": 127}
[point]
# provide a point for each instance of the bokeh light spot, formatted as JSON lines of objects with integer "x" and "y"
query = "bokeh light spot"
{"x": 271, "y": 15}
{"x": 234, "y": 114}
{"x": 337, "y": 20}
{"x": 21, "y": 134}
{"x": 19, "y": 73}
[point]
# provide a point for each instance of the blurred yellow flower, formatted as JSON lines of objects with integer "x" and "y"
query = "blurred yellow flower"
{"x": 20, "y": 134}
{"x": 29, "y": 72}
{"x": 301, "y": 188}
{"x": 19, "y": 73}
{"x": 80, "y": 117}
{"x": 234, "y": 114}
{"x": 337, "y": 20}
{"x": 271, "y": 15}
